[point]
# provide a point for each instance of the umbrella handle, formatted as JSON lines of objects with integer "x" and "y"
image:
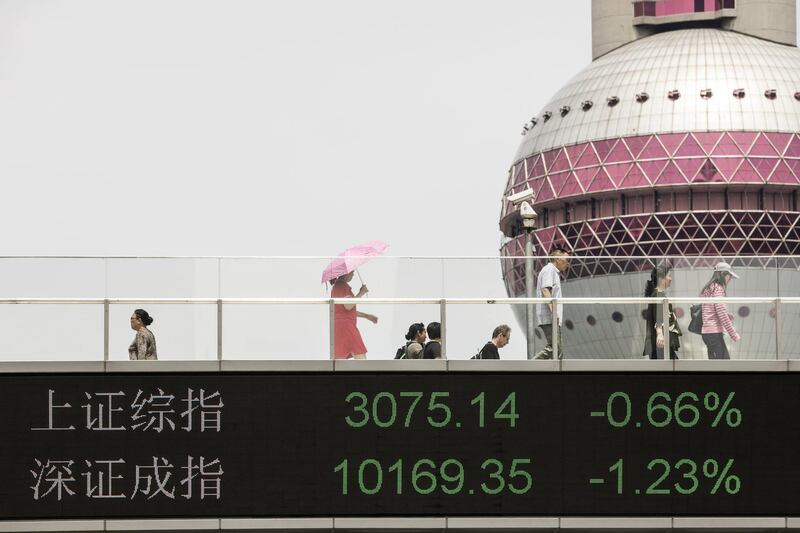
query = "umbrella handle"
{"x": 361, "y": 280}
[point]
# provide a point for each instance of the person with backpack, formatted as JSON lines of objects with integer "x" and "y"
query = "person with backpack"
{"x": 500, "y": 337}
{"x": 433, "y": 350}
{"x": 657, "y": 285}
{"x": 716, "y": 318}
{"x": 415, "y": 340}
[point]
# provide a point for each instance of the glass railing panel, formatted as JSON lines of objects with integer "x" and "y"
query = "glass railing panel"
{"x": 470, "y": 327}
{"x": 603, "y": 331}
{"x": 275, "y": 331}
{"x": 161, "y": 278}
{"x": 182, "y": 331}
{"x": 51, "y": 277}
{"x": 46, "y": 332}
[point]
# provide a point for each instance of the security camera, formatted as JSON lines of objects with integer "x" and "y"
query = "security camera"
{"x": 526, "y": 211}
{"x": 521, "y": 196}
{"x": 528, "y": 216}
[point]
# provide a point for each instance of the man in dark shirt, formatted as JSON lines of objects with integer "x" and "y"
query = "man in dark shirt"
{"x": 500, "y": 337}
{"x": 433, "y": 350}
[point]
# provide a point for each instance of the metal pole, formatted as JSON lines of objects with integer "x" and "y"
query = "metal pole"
{"x": 105, "y": 330}
{"x": 529, "y": 289}
{"x": 777, "y": 328}
{"x": 330, "y": 327}
{"x": 665, "y": 327}
{"x": 556, "y": 330}
{"x": 219, "y": 330}
{"x": 442, "y": 321}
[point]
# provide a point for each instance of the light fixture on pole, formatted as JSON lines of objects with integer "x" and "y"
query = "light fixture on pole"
{"x": 528, "y": 215}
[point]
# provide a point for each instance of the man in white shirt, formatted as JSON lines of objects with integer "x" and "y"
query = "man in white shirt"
{"x": 548, "y": 285}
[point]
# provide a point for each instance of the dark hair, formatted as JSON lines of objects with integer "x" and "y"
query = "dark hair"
{"x": 558, "y": 250}
{"x": 413, "y": 329}
{"x": 434, "y": 330}
{"x": 658, "y": 272}
{"x": 144, "y": 316}
{"x": 502, "y": 329}
{"x": 717, "y": 277}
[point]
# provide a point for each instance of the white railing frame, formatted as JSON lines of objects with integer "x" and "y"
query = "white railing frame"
{"x": 441, "y": 302}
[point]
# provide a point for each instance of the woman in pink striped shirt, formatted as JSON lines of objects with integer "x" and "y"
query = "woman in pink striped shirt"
{"x": 716, "y": 318}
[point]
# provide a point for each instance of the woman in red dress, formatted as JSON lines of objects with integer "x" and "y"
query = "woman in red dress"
{"x": 347, "y": 341}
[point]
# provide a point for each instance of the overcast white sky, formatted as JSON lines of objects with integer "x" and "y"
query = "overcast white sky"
{"x": 270, "y": 127}
{"x": 275, "y": 127}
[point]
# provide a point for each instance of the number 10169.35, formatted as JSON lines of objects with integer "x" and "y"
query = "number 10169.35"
{"x": 424, "y": 476}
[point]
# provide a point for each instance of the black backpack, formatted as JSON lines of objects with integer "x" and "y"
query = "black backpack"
{"x": 696, "y": 322}
{"x": 401, "y": 352}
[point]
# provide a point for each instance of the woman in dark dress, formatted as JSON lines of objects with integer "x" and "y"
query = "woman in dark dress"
{"x": 657, "y": 285}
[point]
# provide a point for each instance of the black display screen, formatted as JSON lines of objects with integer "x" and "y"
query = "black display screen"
{"x": 289, "y": 444}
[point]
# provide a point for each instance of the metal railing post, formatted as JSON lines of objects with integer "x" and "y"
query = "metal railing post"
{"x": 106, "y": 325}
{"x": 443, "y": 322}
{"x": 219, "y": 329}
{"x": 530, "y": 327}
{"x": 331, "y": 331}
{"x": 777, "y": 328}
{"x": 665, "y": 328}
{"x": 556, "y": 330}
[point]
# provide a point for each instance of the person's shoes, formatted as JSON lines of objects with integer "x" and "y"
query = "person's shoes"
{"x": 544, "y": 356}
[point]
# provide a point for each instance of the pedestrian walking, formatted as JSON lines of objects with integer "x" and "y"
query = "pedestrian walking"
{"x": 716, "y": 318}
{"x": 500, "y": 338}
{"x": 143, "y": 346}
{"x": 347, "y": 342}
{"x": 548, "y": 285}
{"x": 656, "y": 287}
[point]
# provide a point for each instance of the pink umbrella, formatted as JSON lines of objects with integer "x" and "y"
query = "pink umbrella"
{"x": 352, "y": 258}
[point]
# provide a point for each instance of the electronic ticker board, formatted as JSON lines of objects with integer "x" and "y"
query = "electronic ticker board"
{"x": 380, "y": 444}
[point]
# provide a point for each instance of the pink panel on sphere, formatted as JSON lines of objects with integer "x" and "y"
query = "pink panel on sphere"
{"x": 589, "y": 158}
{"x": 518, "y": 174}
{"x": 618, "y": 171}
{"x": 619, "y": 154}
{"x": 536, "y": 170}
{"x": 690, "y": 167}
{"x": 671, "y": 176}
{"x": 794, "y": 147}
{"x": 603, "y": 148}
{"x": 537, "y": 185}
{"x": 546, "y": 192}
{"x": 560, "y": 162}
{"x": 764, "y": 167}
{"x": 601, "y": 182}
{"x": 574, "y": 153}
{"x": 549, "y": 157}
{"x": 652, "y": 169}
{"x": 634, "y": 178}
{"x": 708, "y": 140}
{"x": 689, "y": 148}
{"x": 743, "y": 139}
{"x": 783, "y": 175}
{"x": 671, "y": 141}
{"x": 635, "y": 144}
{"x": 676, "y": 7}
{"x": 585, "y": 176}
{"x": 726, "y": 167}
{"x": 571, "y": 186}
{"x": 557, "y": 180}
{"x": 762, "y": 146}
{"x": 779, "y": 140}
{"x": 653, "y": 150}
{"x": 727, "y": 146}
{"x": 746, "y": 174}
{"x": 794, "y": 165}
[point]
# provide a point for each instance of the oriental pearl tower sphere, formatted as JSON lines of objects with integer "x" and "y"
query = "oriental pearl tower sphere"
{"x": 680, "y": 139}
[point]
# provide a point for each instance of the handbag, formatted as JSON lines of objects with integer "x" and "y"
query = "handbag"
{"x": 696, "y": 322}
